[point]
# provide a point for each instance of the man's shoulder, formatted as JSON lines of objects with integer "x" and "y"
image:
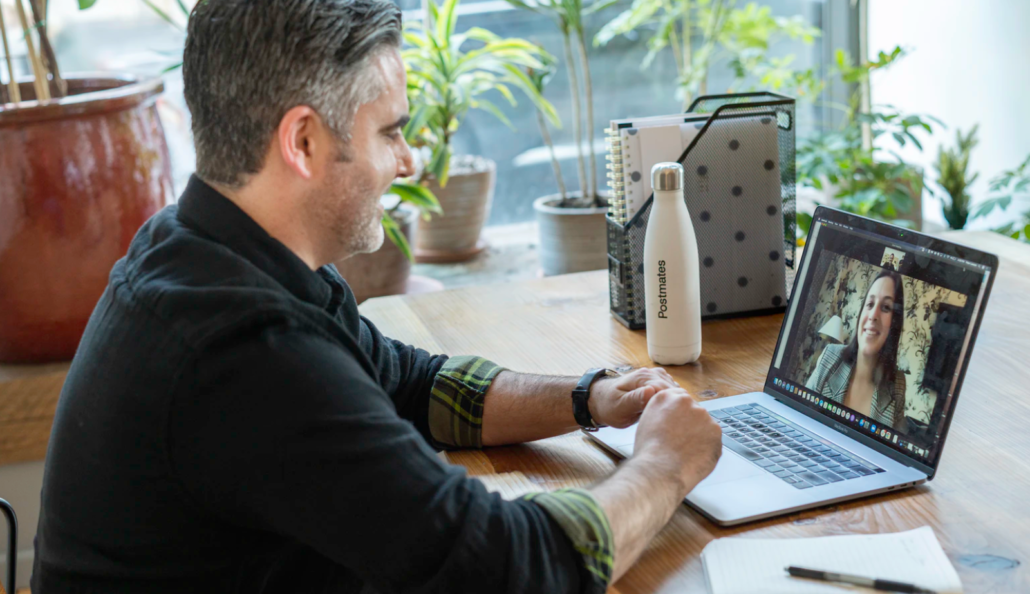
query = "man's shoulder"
{"x": 193, "y": 284}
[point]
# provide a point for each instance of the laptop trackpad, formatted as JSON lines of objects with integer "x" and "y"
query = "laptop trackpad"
{"x": 731, "y": 467}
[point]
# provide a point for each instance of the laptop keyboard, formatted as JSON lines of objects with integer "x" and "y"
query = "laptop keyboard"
{"x": 785, "y": 450}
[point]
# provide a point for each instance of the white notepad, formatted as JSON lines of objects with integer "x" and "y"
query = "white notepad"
{"x": 756, "y": 566}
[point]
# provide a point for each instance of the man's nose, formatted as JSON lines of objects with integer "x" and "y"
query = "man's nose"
{"x": 406, "y": 167}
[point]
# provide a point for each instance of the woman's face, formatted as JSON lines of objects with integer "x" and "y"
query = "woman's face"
{"x": 875, "y": 321}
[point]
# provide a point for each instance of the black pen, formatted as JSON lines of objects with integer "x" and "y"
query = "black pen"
{"x": 857, "y": 580}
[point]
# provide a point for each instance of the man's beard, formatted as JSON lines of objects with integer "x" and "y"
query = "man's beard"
{"x": 350, "y": 219}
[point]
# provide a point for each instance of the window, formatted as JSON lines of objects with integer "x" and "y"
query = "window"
{"x": 621, "y": 87}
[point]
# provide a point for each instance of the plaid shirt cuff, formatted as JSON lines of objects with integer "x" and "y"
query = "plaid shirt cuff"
{"x": 456, "y": 402}
{"x": 586, "y": 525}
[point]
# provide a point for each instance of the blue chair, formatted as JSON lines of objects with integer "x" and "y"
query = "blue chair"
{"x": 12, "y": 544}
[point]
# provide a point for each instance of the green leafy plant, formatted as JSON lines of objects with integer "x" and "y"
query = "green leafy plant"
{"x": 568, "y": 16}
{"x": 1005, "y": 185}
{"x": 445, "y": 81}
{"x": 865, "y": 179}
{"x": 954, "y": 179}
{"x": 701, "y": 32}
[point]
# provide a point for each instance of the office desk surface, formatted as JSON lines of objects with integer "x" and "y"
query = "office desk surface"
{"x": 979, "y": 504}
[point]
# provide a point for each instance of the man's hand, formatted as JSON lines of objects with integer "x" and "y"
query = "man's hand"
{"x": 677, "y": 445}
{"x": 619, "y": 402}
{"x": 678, "y": 437}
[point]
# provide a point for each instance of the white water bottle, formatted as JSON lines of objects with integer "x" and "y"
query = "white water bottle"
{"x": 672, "y": 289}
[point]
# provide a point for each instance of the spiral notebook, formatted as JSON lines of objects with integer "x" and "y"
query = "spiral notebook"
{"x": 756, "y": 566}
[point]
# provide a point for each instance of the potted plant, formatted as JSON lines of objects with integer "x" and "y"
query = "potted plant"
{"x": 953, "y": 177}
{"x": 571, "y": 224}
{"x": 84, "y": 164}
{"x": 846, "y": 167}
{"x": 445, "y": 82}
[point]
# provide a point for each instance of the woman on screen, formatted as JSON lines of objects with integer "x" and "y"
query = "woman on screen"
{"x": 863, "y": 374}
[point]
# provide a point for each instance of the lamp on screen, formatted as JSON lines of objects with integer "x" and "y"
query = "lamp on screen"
{"x": 833, "y": 329}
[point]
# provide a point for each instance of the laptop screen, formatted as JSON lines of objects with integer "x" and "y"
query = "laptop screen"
{"x": 877, "y": 332}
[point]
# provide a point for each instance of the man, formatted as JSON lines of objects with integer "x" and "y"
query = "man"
{"x": 231, "y": 424}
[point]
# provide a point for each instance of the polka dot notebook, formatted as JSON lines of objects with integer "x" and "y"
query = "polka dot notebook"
{"x": 733, "y": 186}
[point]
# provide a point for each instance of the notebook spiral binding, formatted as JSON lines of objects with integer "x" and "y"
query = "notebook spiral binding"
{"x": 617, "y": 208}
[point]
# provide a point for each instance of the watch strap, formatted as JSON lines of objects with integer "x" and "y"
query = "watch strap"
{"x": 580, "y": 397}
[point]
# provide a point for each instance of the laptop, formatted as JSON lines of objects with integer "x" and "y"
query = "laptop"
{"x": 811, "y": 437}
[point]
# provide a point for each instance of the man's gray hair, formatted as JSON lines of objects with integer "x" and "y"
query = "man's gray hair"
{"x": 248, "y": 62}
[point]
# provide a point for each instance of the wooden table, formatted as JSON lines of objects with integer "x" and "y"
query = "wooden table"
{"x": 979, "y": 505}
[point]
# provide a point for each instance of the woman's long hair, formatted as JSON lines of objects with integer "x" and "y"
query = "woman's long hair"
{"x": 887, "y": 362}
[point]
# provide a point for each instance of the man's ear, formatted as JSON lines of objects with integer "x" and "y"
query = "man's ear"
{"x": 298, "y": 140}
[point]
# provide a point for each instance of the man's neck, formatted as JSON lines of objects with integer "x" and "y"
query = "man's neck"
{"x": 253, "y": 200}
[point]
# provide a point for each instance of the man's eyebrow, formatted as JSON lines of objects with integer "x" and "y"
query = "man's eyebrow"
{"x": 400, "y": 123}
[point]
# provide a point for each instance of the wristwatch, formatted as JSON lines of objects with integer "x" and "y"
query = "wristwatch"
{"x": 581, "y": 394}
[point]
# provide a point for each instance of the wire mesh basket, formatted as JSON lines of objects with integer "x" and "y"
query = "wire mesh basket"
{"x": 744, "y": 220}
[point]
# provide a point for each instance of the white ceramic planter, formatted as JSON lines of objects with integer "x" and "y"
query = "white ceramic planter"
{"x": 571, "y": 239}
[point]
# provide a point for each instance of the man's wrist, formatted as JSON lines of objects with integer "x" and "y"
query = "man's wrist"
{"x": 597, "y": 396}
{"x": 660, "y": 467}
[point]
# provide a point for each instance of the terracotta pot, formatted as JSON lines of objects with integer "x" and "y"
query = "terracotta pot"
{"x": 383, "y": 272}
{"x": 571, "y": 239}
{"x": 78, "y": 176}
{"x": 465, "y": 200}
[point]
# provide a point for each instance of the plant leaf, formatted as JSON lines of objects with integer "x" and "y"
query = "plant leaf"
{"x": 393, "y": 231}
{"x": 985, "y": 207}
{"x": 491, "y": 108}
{"x": 161, "y": 13}
{"x": 418, "y": 196}
{"x": 641, "y": 12}
{"x": 598, "y": 6}
{"x": 804, "y": 222}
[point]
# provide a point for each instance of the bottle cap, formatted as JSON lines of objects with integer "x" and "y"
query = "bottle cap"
{"x": 667, "y": 176}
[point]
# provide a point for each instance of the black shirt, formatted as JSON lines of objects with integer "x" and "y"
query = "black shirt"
{"x": 230, "y": 423}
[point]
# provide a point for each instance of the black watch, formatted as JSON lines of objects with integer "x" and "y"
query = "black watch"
{"x": 580, "y": 396}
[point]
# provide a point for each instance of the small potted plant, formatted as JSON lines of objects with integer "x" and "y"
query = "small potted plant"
{"x": 445, "y": 82}
{"x": 571, "y": 224}
{"x": 953, "y": 177}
